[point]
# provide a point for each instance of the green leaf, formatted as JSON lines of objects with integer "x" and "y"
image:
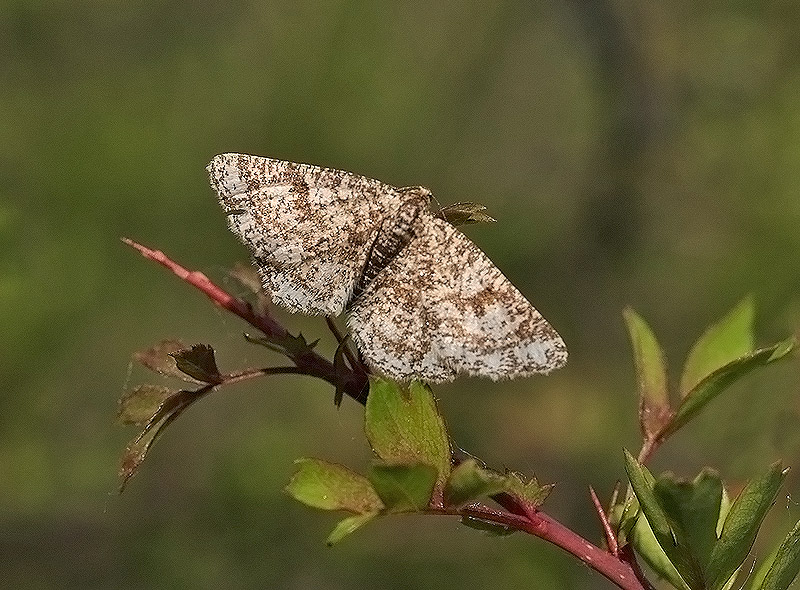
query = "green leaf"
{"x": 464, "y": 214}
{"x": 159, "y": 360}
{"x": 469, "y": 481}
{"x": 198, "y": 362}
{"x": 642, "y": 482}
{"x": 647, "y": 546}
{"x": 529, "y": 490}
{"x": 741, "y": 526}
{"x": 403, "y": 426}
{"x": 759, "y": 573}
{"x": 140, "y": 404}
{"x": 491, "y": 528}
{"x": 623, "y": 516}
{"x": 731, "y": 581}
{"x": 136, "y": 451}
{"x": 724, "y": 377}
{"x": 693, "y": 509}
{"x": 724, "y": 508}
{"x": 724, "y": 341}
{"x": 329, "y": 486}
{"x": 786, "y": 563}
{"x": 675, "y": 548}
{"x": 651, "y": 373}
{"x": 404, "y": 488}
{"x": 347, "y": 526}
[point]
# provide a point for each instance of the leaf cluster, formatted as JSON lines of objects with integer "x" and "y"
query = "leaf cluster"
{"x": 722, "y": 355}
{"x": 413, "y": 467}
{"x": 155, "y": 407}
{"x": 695, "y": 538}
{"x": 688, "y": 531}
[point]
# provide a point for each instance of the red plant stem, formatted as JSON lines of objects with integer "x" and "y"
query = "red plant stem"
{"x": 309, "y": 363}
{"x": 611, "y": 538}
{"x": 628, "y": 556}
{"x": 197, "y": 279}
{"x": 539, "y": 524}
{"x": 516, "y": 515}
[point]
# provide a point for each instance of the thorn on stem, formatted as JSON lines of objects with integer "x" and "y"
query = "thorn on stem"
{"x": 611, "y": 538}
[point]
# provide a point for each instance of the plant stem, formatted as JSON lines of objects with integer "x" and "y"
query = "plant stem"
{"x": 543, "y": 526}
{"x": 611, "y": 537}
{"x": 353, "y": 383}
{"x": 310, "y": 363}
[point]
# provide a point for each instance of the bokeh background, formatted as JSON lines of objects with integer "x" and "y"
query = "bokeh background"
{"x": 641, "y": 153}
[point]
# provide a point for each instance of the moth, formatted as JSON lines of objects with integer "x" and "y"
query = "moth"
{"x": 422, "y": 301}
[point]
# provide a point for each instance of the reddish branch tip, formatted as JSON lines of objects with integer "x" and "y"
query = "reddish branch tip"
{"x": 611, "y": 538}
{"x": 156, "y": 255}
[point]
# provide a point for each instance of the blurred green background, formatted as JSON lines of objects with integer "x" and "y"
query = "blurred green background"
{"x": 641, "y": 153}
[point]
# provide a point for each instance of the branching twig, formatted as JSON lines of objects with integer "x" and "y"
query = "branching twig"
{"x": 651, "y": 445}
{"x": 516, "y": 514}
{"x": 539, "y": 524}
{"x": 627, "y": 555}
{"x": 309, "y": 363}
{"x": 251, "y": 373}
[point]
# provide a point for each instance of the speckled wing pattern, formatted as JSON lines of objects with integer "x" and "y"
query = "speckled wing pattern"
{"x": 309, "y": 229}
{"x": 438, "y": 308}
{"x": 442, "y": 309}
